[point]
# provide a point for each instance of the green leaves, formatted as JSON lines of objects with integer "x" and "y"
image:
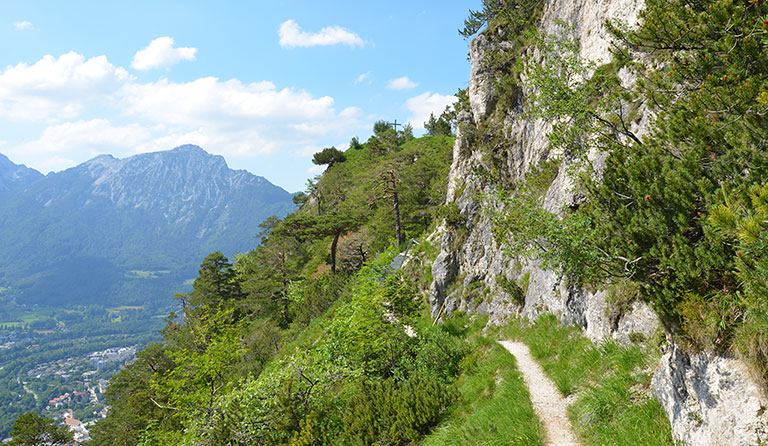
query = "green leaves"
{"x": 329, "y": 156}
{"x": 30, "y": 429}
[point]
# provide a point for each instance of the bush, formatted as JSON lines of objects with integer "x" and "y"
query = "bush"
{"x": 391, "y": 412}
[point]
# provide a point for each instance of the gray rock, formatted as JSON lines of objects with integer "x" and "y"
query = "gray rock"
{"x": 481, "y": 82}
{"x": 640, "y": 322}
{"x": 710, "y": 400}
{"x": 443, "y": 272}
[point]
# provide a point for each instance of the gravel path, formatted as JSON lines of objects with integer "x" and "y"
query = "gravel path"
{"x": 548, "y": 404}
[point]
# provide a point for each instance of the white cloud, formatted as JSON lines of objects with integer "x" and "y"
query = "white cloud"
{"x": 362, "y": 77}
{"x": 24, "y": 26}
{"x": 161, "y": 53}
{"x": 422, "y": 105}
{"x": 93, "y": 136}
{"x": 291, "y": 36}
{"x": 58, "y": 88}
{"x": 401, "y": 83}
{"x": 199, "y": 101}
{"x": 239, "y": 120}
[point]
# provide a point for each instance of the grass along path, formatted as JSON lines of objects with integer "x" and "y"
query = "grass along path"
{"x": 495, "y": 408}
{"x": 549, "y": 405}
{"x": 610, "y": 383}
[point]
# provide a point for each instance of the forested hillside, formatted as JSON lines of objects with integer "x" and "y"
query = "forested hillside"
{"x": 289, "y": 340}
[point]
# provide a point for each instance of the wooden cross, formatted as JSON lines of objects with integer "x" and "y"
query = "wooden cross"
{"x": 394, "y": 124}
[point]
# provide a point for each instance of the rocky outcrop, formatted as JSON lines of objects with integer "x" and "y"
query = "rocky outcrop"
{"x": 469, "y": 253}
{"x": 711, "y": 400}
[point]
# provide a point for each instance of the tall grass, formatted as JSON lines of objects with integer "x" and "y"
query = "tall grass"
{"x": 611, "y": 383}
{"x": 495, "y": 406}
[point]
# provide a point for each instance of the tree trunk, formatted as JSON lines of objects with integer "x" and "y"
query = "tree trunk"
{"x": 333, "y": 251}
{"x": 362, "y": 253}
{"x": 398, "y": 232}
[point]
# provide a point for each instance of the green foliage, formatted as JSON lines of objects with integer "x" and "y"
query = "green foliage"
{"x": 512, "y": 16}
{"x": 132, "y": 398}
{"x": 527, "y": 229}
{"x": 313, "y": 296}
{"x": 215, "y": 283}
{"x": 584, "y": 102}
{"x": 379, "y": 127}
{"x": 355, "y": 144}
{"x": 653, "y": 200}
{"x": 745, "y": 225}
{"x": 439, "y": 126}
{"x": 271, "y": 350}
{"x": 658, "y": 214}
{"x": 329, "y": 156}
{"x": 396, "y": 412}
{"x": 452, "y": 215}
{"x": 30, "y": 429}
{"x": 511, "y": 288}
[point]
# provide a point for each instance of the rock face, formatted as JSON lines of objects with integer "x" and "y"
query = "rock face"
{"x": 473, "y": 273}
{"x": 711, "y": 400}
{"x": 470, "y": 253}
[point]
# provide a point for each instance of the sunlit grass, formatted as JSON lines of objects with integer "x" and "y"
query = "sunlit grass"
{"x": 611, "y": 382}
{"x": 495, "y": 408}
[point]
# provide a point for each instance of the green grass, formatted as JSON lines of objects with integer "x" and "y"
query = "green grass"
{"x": 15, "y": 317}
{"x": 495, "y": 406}
{"x": 611, "y": 382}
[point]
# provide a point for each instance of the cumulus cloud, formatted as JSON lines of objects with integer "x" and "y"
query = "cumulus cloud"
{"x": 91, "y": 135}
{"x": 401, "y": 83}
{"x": 248, "y": 118}
{"x": 205, "y": 99}
{"x": 422, "y": 105}
{"x": 291, "y": 36}
{"x": 57, "y": 87}
{"x": 161, "y": 53}
{"x": 236, "y": 119}
{"x": 24, "y": 26}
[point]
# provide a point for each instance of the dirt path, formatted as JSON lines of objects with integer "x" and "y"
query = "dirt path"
{"x": 548, "y": 404}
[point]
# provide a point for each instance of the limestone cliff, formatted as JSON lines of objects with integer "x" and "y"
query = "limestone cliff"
{"x": 470, "y": 272}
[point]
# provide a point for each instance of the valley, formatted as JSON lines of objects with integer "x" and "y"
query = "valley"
{"x": 94, "y": 255}
{"x": 48, "y": 352}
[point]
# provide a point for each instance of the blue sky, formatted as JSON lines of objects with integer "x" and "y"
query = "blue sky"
{"x": 266, "y": 84}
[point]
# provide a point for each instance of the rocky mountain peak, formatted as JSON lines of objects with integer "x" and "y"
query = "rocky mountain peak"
{"x": 15, "y": 175}
{"x": 189, "y": 148}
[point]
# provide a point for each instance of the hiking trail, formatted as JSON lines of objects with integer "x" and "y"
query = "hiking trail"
{"x": 547, "y": 402}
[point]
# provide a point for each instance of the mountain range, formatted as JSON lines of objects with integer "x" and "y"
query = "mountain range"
{"x": 125, "y": 231}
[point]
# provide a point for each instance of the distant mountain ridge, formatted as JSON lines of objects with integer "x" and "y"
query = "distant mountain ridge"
{"x": 77, "y": 235}
{"x": 14, "y": 176}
